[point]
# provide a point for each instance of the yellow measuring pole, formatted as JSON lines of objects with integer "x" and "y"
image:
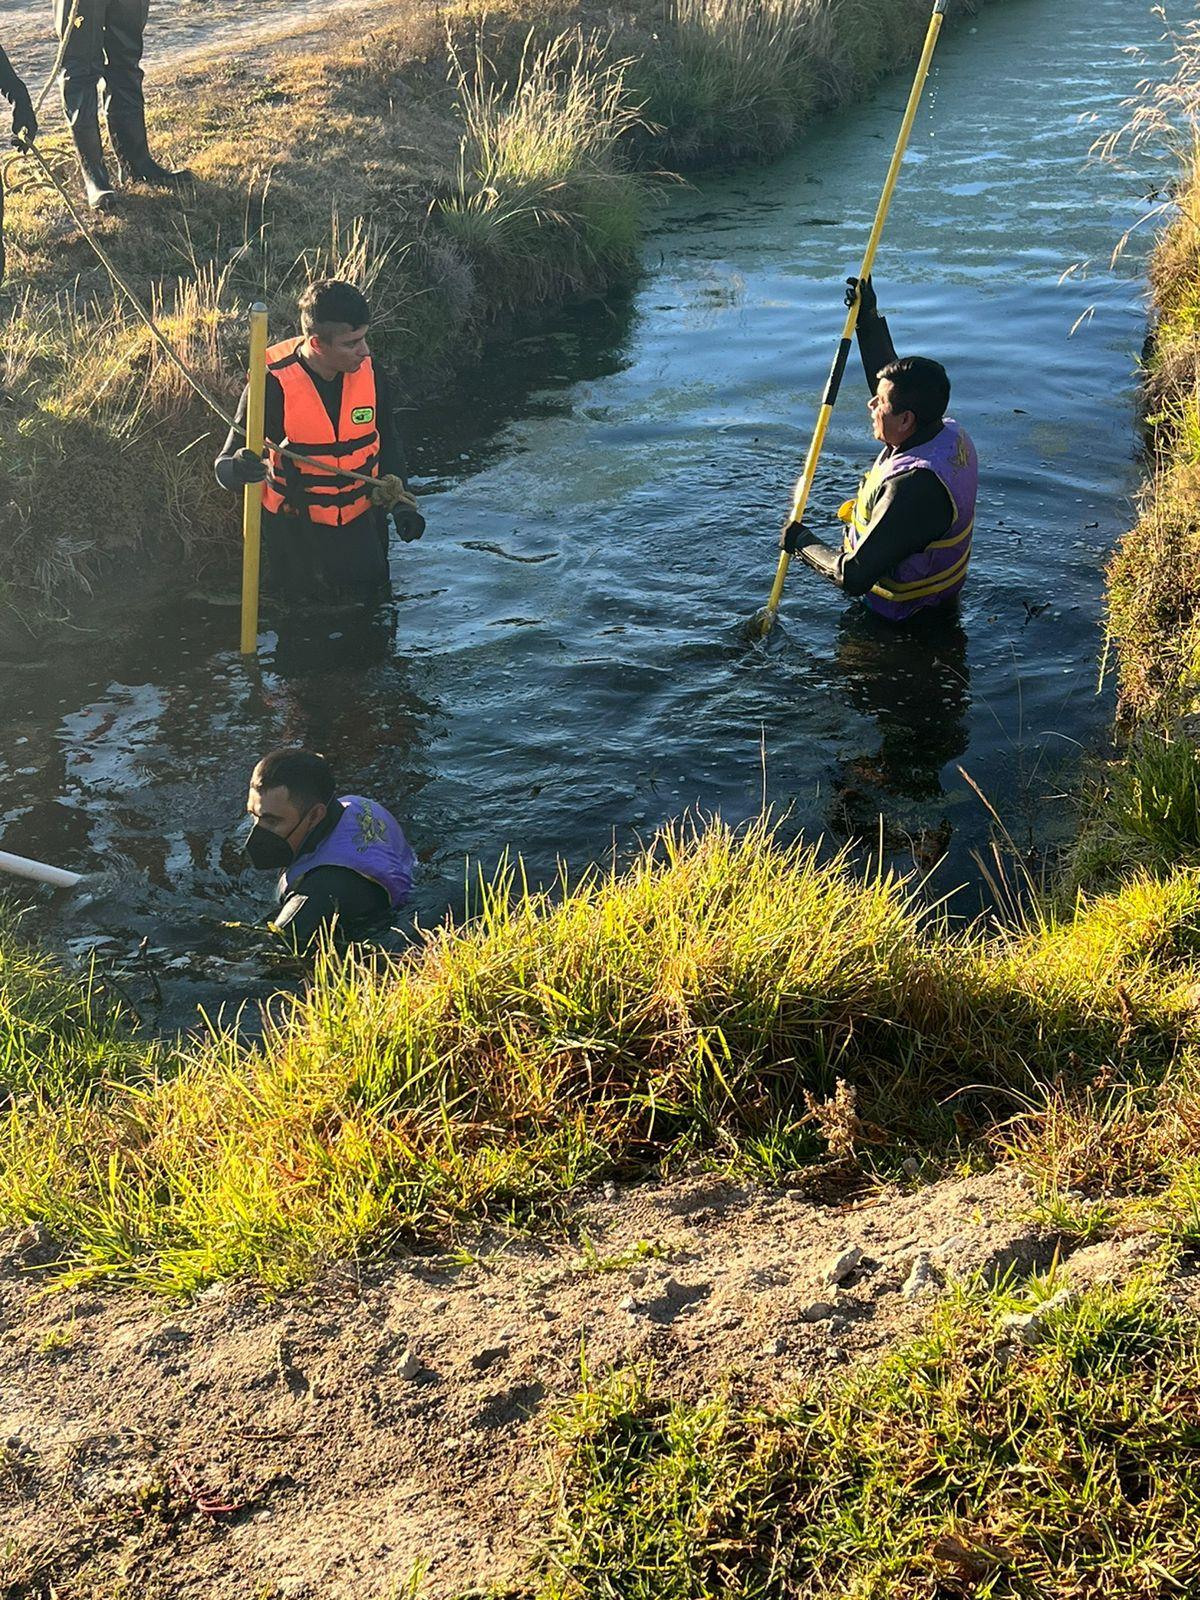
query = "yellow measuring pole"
{"x": 252, "y": 494}
{"x": 829, "y": 399}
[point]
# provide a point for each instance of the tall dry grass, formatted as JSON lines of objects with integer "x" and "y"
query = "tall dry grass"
{"x": 543, "y": 186}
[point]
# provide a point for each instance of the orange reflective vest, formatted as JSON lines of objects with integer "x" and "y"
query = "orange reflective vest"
{"x": 317, "y": 491}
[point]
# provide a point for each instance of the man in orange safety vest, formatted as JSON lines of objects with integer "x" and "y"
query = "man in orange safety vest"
{"x": 326, "y": 533}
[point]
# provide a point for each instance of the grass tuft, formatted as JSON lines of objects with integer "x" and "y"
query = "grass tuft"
{"x": 962, "y": 1464}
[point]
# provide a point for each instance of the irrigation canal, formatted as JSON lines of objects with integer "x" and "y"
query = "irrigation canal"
{"x": 565, "y": 666}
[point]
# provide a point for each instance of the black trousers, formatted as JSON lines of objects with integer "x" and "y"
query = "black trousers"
{"x": 310, "y": 564}
{"x": 105, "y": 43}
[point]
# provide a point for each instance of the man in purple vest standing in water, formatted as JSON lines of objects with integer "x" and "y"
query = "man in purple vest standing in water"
{"x": 342, "y": 860}
{"x": 907, "y": 542}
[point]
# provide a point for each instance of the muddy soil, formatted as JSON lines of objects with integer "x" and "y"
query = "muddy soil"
{"x": 330, "y": 1442}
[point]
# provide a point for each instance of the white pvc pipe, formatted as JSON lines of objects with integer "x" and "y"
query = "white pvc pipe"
{"x": 39, "y": 871}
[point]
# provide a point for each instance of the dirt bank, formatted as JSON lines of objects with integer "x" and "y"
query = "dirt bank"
{"x": 391, "y": 1421}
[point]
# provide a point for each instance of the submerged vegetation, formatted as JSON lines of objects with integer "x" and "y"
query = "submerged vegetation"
{"x": 465, "y": 168}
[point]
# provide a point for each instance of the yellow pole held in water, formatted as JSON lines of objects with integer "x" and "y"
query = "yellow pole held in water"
{"x": 252, "y": 501}
{"x": 829, "y": 400}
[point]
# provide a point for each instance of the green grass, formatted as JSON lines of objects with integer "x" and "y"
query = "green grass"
{"x": 723, "y": 991}
{"x": 961, "y": 1465}
{"x": 61, "y": 1039}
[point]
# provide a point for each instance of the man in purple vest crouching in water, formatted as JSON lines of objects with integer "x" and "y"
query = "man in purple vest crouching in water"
{"x": 343, "y": 860}
{"x": 907, "y": 542}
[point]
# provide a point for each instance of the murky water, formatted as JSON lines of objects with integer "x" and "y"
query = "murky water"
{"x": 564, "y": 665}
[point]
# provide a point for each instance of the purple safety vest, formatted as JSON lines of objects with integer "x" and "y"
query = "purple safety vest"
{"x": 937, "y": 573}
{"x": 369, "y": 841}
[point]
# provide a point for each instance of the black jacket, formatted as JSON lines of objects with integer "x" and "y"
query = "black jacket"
{"x": 911, "y": 512}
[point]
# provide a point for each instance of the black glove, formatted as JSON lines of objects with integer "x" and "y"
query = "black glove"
{"x": 869, "y": 304}
{"x": 243, "y": 468}
{"x": 24, "y": 122}
{"x": 410, "y": 524}
{"x": 794, "y": 537}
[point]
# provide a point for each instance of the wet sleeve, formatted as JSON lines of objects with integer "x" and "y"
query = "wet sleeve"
{"x": 326, "y": 894}
{"x": 875, "y": 347}
{"x": 236, "y": 437}
{"x": 11, "y": 86}
{"x": 392, "y": 458}
{"x": 912, "y": 511}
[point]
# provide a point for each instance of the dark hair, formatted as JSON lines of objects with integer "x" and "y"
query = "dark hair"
{"x": 329, "y": 302}
{"x": 920, "y": 386}
{"x": 307, "y": 777}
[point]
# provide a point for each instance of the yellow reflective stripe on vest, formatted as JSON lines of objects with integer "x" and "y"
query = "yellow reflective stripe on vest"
{"x": 924, "y": 587}
{"x": 945, "y": 544}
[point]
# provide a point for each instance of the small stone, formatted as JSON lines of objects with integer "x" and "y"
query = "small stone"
{"x": 409, "y": 1366}
{"x": 637, "y": 1277}
{"x": 817, "y": 1311}
{"x": 842, "y": 1265}
{"x": 910, "y": 1166}
{"x": 436, "y": 1307}
{"x": 610, "y": 1192}
{"x": 835, "y": 1352}
{"x": 507, "y": 1335}
{"x": 794, "y": 1194}
{"x": 1022, "y": 1327}
{"x": 630, "y": 1304}
{"x": 922, "y": 1280}
{"x": 774, "y": 1347}
{"x": 1064, "y": 1300}
{"x": 488, "y": 1356}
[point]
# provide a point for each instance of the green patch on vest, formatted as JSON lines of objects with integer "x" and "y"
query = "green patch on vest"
{"x": 371, "y": 829}
{"x": 363, "y": 414}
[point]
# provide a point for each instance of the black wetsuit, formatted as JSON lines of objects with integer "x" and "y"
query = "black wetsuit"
{"x": 359, "y": 904}
{"x": 106, "y": 42}
{"x": 911, "y": 512}
{"x": 307, "y": 560}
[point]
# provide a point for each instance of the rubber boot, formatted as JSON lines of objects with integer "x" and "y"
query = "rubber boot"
{"x": 85, "y": 130}
{"x": 127, "y": 131}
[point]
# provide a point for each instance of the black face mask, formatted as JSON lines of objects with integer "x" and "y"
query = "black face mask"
{"x": 267, "y": 851}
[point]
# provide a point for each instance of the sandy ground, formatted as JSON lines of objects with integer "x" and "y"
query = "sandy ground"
{"x": 330, "y": 1442}
{"x": 179, "y": 29}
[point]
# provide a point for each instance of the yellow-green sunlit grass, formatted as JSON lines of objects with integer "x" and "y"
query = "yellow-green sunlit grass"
{"x": 690, "y": 1003}
{"x": 962, "y": 1464}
